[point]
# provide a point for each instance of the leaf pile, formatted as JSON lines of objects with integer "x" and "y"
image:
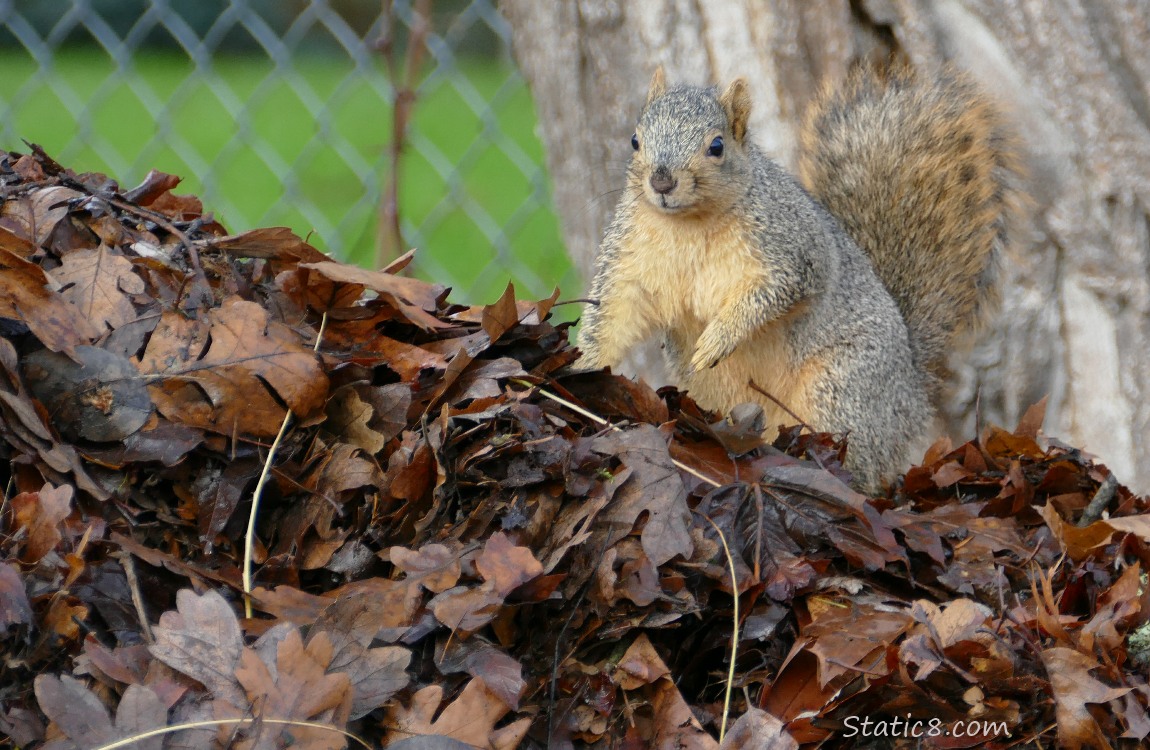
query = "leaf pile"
{"x": 445, "y": 549}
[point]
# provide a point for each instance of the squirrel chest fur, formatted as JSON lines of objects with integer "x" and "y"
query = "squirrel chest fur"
{"x": 689, "y": 269}
{"x": 837, "y": 304}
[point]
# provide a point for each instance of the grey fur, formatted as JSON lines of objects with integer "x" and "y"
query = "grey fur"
{"x": 845, "y": 340}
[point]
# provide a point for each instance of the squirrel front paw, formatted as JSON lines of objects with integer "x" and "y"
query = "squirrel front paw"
{"x": 591, "y": 355}
{"x": 588, "y": 361}
{"x": 711, "y": 349}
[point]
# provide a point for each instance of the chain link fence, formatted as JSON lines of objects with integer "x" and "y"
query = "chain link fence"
{"x": 281, "y": 112}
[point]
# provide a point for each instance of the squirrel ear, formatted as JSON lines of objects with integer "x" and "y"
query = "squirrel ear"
{"x": 658, "y": 85}
{"x": 736, "y": 100}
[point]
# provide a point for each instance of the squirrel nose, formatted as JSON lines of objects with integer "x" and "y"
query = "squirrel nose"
{"x": 662, "y": 182}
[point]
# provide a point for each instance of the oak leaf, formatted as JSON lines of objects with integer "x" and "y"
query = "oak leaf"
{"x": 202, "y": 639}
{"x": 1074, "y": 688}
{"x": 98, "y": 282}
{"x": 251, "y": 366}
{"x": 470, "y": 718}
{"x": 40, "y": 515}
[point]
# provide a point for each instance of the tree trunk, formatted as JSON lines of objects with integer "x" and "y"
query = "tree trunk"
{"x": 1073, "y": 74}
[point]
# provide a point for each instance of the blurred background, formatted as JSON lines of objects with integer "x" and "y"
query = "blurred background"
{"x": 283, "y": 112}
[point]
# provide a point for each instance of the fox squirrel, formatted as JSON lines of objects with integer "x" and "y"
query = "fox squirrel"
{"x": 841, "y": 305}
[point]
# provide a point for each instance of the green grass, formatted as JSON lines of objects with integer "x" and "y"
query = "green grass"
{"x": 88, "y": 117}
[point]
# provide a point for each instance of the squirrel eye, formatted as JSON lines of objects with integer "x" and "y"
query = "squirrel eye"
{"x": 716, "y": 148}
{"x": 635, "y": 141}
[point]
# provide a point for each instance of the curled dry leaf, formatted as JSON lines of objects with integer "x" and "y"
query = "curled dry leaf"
{"x": 279, "y": 243}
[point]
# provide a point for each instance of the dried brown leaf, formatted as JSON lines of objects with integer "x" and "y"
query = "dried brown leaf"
{"x": 796, "y": 694}
{"x": 434, "y": 566}
{"x": 155, "y": 184}
{"x": 1079, "y": 543}
{"x": 415, "y": 299}
{"x": 675, "y": 725}
{"x": 1074, "y": 688}
{"x": 141, "y": 710}
{"x": 506, "y": 566}
{"x": 36, "y": 216}
{"x": 64, "y": 617}
{"x": 202, "y": 639}
{"x": 40, "y": 515}
{"x": 1117, "y": 607}
{"x": 25, "y": 296}
{"x": 852, "y": 637}
{"x": 470, "y": 718}
{"x": 75, "y": 709}
{"x": 640, "y": 665}
{"x": 279, "y": 243}
{"x": 15, "y": 609}
{"x": 94, "y": 395}
{"x": 502, "y": 674}
{"x": 758, "y": 730}
{"x": 375, "y": 674}
{"x": 466, "y": 608}
{"x": 1032, "y": 420}
{"x": 502, "y": 315}
{"x": 349, "y": 417}
{"x": 251, "y": 366}
{"x": 297, "y": 685}
{"x": 98, "y": 282}
{"x": 655, "y": 488}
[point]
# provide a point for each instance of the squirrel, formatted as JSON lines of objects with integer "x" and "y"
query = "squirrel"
{"x": 838, "y": 295}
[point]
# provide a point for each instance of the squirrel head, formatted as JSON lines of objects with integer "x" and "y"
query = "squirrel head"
{"x": 689, "y": 143}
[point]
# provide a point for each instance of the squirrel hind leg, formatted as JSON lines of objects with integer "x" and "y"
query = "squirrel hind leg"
{"x": 877, "y": 398}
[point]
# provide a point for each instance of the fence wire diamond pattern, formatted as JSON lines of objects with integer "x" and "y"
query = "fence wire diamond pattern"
{"x": 280, "y": 113}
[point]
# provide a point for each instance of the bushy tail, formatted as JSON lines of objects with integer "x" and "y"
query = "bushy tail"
{"x": 923, "y": 175}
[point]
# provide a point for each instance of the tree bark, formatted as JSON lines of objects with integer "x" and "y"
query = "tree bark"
{"x": 1074, "y": 75}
